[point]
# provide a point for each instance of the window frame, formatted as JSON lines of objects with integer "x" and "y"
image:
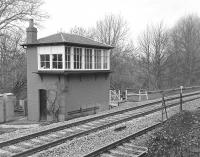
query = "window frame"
{"x": 105, "y": 59}
{"x": 68, "y": 56}
{"x": 87, "y": 58}
{"x": 97, "y": 59}
{"x": 45, "y": 61}
{"x": 57, "y": 61}
{"x": 50, "y": 50}
{"x": 78, "y": 62}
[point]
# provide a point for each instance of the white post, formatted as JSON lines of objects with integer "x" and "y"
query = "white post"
{"x": 139, "y": 95}
{"x": 119, "y": 95}
{"x": 63, "y": 59}
{"x": 72, "y": 58}
{"x": 147, "y": 95}
{"x": 102, "y": 59}
{"x": 126, "y": 94}
{"x": 51, "y": 61}
{"x": 181, "y": 87}
{"x": 92, "y": 58}
{"x": 83, "y": 58}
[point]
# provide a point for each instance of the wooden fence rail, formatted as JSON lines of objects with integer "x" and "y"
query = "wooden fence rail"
{"x": 145, "y": 93}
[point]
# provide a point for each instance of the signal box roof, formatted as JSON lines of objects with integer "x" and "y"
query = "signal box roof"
{"x": 69, "y": 39}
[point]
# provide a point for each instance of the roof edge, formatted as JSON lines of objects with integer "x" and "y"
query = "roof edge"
{"x": 64, "y": 43}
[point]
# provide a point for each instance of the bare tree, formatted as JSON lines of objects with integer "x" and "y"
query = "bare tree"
{"x": 112, "y": 30}
{"x": 124, "y": 67}
{"x": 14, "y": 12}
{"x": 185, "y": 48}
{"x": 153, "y": 47}
{"x": 145, "y": 49}
{"x": 12, "y": 64}
{"x": 90, "y": 32}
{"x": 159, "y": 48}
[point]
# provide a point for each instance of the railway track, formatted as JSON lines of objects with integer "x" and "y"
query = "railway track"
{"x": 124, "y": 147}
{"x": 30, "y": 144}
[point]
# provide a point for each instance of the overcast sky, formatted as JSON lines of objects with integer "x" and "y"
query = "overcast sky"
{"x": 65, "y": 14}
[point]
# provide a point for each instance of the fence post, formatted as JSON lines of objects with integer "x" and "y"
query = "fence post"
{"x": 139, "y": 95}
{"x": 181, "y": 98}
{"x": 119, "y": 95}
{"x": 164, "y": 107}
{"x": 147, "y": 95}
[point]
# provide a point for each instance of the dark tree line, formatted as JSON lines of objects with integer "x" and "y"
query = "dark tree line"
{"x": 153, "y": 54}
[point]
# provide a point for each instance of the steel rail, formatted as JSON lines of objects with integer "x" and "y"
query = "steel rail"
{"x": 121, "y": 141}
{"x": 64, "y": 139}
{"x": 45, "y": 132}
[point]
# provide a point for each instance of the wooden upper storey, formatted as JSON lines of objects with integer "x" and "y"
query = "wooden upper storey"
{"x": 72, "y": 58}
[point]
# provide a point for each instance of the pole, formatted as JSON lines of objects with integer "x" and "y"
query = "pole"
{"x": 139, "y": 95}
{"x": 126, "y": 94}
{"x": 147, "y": 95}
{"x": 119, "y": 95}
{"x": 164, "y": 109}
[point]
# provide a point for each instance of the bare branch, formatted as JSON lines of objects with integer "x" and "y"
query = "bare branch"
{"x": 14, "y": 13}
